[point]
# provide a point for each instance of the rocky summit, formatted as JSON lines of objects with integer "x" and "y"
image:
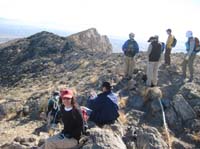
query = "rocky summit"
{"x": 32, "y": 68}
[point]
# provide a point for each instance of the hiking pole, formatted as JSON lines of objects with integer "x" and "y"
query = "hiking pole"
{"x": 165, "y": 124}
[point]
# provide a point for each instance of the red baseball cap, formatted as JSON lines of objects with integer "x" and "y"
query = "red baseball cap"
{"x": 66, "y": 93}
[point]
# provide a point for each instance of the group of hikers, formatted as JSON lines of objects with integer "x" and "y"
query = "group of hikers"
{"x": 62, "y": 107}
{"x": 103, "y": 108}
{"x": 154, "y": 55}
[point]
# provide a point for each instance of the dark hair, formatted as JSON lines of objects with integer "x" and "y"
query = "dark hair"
{"x": 73, "y": 102}
{"x": 107, "y": 85}
{"x": 56, "y": 93}
{"x": 169, "y": 30}
{"x": 151, "y": 39}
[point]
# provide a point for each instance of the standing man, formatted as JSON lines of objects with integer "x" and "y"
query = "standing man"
{"x": 130, "y": 49}
{"x": 154, "y": 55}
{"x": 192, "y": 47}
{"x": 169, "y": 43}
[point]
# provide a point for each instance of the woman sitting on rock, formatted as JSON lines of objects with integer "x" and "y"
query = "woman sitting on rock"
{"x": 73, "y": 124}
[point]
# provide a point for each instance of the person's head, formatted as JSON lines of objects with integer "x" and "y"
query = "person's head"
{"x": 67, "y": 97}
{"x": 156, "y": 38}
{"x": 131, "y": 36}
{"x": 56, "y": 95}
{"x": 169, "y": 31}
{"x": 189, "y": 34}
{"x": 106, "y": 86}
{"x": 151, "y": 39}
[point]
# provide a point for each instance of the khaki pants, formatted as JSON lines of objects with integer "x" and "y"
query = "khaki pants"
{"x": 129, "y": 66}
{"x": 188, "y": 63}
{"x": 55, "y": 142}
{"x": 167, "y": 56}
{"x": 152, "y": 73}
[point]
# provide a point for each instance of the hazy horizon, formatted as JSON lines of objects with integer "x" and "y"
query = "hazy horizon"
{"x": 113, "y": 18}
{"x": 11, "y": 29}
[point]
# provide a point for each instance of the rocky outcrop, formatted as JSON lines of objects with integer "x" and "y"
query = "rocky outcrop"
{"x": 10, "y": 108}
{"x": 150, "y": 138}
{"x": 44, "y": 51}
{"x": 183, "y": 109}
{"x": 91, "y": 40}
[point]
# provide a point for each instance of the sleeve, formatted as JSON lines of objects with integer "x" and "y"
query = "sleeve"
{"x": 49, "y": 107}
{"x": 192, "y": 46}
{"x": 149, "y": 50}
{"x": 124, "y": 47}
{"x": 136, "y": 47}
{"x": 77, "y": 124}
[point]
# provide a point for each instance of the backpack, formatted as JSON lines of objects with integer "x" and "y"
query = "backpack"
{"x": 162, "y": 46}
{"x": 197, "y": 45}
{"x": 196, "y": 42}
{"x": 131, "y": 46}
{"x": 174, "y": 42}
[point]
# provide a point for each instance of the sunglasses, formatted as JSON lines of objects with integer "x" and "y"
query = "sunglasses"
{"x": 66, "y": 98}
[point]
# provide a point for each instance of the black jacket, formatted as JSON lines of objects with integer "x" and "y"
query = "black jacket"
{"x": 104, "y": 110}
{"x": 156, "y": 51}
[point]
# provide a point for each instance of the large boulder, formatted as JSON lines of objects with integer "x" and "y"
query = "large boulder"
{"x": 182, "y": 108}
{"x": 173, "y": 120}
{"x": 150, "y": 138}
{"x": 190, "y": 91}
{"x": 10, "y": 108}
{"x": 104, "y": 138}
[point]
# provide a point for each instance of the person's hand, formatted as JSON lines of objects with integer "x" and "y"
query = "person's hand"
{"x": 93, "y": 94}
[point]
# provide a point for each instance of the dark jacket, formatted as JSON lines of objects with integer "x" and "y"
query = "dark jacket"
{"x": 156, "y": 51}
{"x": 73, "y": 123}
{"x": 104, "y": 110}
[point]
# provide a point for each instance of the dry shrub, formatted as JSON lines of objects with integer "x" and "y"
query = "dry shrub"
{"x": 122, "y": 117}
{"x": 151, "y": 93}
{"x": 123, "y": 102}
{"x": 196, "y": 137}
{"x": 168, "y": 137}
{"x": 93, "y": 79}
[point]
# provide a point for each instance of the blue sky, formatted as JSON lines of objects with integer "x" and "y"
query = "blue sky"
{"x": 110, "y": 17}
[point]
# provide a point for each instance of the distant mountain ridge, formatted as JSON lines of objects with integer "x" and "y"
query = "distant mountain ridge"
{"x": 26, "y": 55}
{"x": 11, "y": 29}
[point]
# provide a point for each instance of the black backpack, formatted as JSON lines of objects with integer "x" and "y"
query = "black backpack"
{"x": 174, "y": 42}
